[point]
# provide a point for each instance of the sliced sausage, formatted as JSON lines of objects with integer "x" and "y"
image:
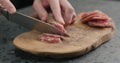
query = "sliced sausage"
{"x": 96, "y": 19}
{"x": 101, "y": 24}
{"x": 50, "y": 38}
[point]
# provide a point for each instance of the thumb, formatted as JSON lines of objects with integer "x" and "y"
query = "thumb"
{"x": 8, "y": 6}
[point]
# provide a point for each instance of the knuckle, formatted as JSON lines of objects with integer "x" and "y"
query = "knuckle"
{"x": 4, "y": 1}
{"x": 34, "y": 5}
{"x": 70, "y": 9}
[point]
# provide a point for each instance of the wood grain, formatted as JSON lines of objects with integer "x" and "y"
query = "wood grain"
{"x": 83, "y": 39}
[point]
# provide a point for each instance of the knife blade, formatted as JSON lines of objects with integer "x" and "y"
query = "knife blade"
{"x": 32, "y": 23}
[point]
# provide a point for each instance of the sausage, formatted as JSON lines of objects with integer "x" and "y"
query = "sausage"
{"x": 101, "y": 24}
{"x": 50, "y": 38}
{"x": 96, "y": 19}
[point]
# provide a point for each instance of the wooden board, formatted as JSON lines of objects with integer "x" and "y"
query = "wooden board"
{"x": 83, "y": 38}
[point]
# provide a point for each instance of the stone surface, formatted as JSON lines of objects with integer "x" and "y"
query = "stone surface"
{"x": 107, "y": 53}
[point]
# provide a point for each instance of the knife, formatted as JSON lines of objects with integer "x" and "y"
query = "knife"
{"x": 32, "y": 23}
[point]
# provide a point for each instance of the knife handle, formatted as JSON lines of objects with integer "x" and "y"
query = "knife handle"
{"x": 4, "y": 12}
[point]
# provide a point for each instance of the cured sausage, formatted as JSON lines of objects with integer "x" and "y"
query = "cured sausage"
{"x": 51, "y": 38}
{"x": 96, "y": 19}
{"x": 101, "y": 24}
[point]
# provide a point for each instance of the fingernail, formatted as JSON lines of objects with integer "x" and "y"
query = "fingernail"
{"x": 11, "y": 10}
{"x": 62, "y": 22}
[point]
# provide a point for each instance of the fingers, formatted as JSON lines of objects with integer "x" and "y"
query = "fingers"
{"x": 58, "y": 26}
{"x": 68, "y": 12}
{"x": 53, "y": 22}
{"x": 62, "y": 10}
{"x": 69, "y": 17}
{"x": 42, "y": 13}
{"x": 56, "y": 10}
{"x": 8, "y": 6}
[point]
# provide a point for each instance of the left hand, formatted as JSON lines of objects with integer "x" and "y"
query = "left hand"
{"x": 62, "y": 10}
{"x": 8, "y": 6}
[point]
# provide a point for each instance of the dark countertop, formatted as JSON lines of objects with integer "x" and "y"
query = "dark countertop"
{"x": 109, "y": 52}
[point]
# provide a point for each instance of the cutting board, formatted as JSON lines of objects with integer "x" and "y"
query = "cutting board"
{"x": 83, "y": 39}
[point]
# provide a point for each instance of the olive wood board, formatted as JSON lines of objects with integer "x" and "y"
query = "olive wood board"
{"x": 83, "y": 39}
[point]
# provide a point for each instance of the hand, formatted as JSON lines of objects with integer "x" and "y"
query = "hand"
{"x": 61, "y": 9}
{"x": 8, "y": 6}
